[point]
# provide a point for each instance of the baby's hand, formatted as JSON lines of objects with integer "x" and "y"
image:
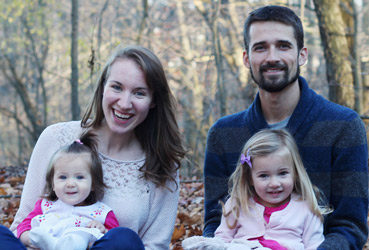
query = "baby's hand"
{"x": 26, "y": 240}
{"x": 98, "y": 225}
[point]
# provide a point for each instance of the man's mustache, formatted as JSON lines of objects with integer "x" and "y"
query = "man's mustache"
{"x": 268, "y": 66}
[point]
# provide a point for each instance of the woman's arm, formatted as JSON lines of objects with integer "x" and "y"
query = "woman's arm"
{"x": 35, "y": 178}
{"x": 158, "y": 229}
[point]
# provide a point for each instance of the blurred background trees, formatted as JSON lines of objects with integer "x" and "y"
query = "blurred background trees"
{"x": 51, "y": 53}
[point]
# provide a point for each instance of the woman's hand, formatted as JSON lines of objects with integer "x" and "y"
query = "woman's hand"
{"x": 98, "y": 225}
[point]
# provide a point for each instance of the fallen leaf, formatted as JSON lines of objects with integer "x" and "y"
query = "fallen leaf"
{"x": 179, "y": 232}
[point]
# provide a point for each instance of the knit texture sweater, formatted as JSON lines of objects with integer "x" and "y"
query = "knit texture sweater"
{"x": 138, "y": 204}
{"x": 332, "y": 143}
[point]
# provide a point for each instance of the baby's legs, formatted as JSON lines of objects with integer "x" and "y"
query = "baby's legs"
{"x": 73, "y": 241}
{"x": 42, "y": 239}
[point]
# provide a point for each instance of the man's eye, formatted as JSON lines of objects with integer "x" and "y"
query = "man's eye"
{"x": 285, "y": 46}
{"x": 259, "y": 48}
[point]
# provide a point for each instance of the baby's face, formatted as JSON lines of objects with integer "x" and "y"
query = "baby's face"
{"x": 72, "y": 179}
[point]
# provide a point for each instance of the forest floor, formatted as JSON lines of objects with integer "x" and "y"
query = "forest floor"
{"x": 190, "y": 212}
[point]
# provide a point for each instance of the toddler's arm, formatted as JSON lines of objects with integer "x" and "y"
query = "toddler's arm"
{"x": 25, "y": 225}
{"x": 111, "y": 221}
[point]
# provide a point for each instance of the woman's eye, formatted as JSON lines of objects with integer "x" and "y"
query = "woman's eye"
{"x": 116, "y": 87}
{"x": 140, "y": 93}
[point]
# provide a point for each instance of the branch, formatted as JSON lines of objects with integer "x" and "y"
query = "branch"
{"x": 7, "y": 112}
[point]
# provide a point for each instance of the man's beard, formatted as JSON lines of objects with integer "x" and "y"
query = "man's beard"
{"x": 277, "y": 84}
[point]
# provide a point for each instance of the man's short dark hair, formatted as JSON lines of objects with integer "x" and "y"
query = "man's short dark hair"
{"x": 273, "y": 13}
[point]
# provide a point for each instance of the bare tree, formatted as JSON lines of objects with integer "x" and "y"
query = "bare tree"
{"x": 145, "y": 7}
{"x": 210, "y": 13}
{"x": 22, "y": 66}
{"x": 336, "y": 51}
{"x": 75, "y": 108}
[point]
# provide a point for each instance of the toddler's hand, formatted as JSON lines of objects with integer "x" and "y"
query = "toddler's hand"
{"x": 98, "y": 225}
{"x": 24, "y": 238}
{"x": 203, "y": 243}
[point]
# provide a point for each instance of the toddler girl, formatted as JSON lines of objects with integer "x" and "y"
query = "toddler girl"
{"x": 272, "y": 203}
{"x": 70, "y": 215}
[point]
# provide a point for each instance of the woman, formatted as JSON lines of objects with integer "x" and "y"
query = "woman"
{"x": 133, "y": 115}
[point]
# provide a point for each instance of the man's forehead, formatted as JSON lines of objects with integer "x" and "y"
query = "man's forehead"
{"x": 271, "y": 31}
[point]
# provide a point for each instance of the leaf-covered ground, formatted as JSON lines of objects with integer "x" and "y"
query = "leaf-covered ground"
{"x": 189, "y": 217}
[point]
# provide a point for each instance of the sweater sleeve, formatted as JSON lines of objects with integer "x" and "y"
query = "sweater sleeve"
{"x": 312, "y": 235}
{"x": 25, "y": 225}
{"x": 111, "y": 221}
{"x": 216, "y": 181}
{"x": 157, "y": 231}
{"x": 223, "y": 231}
{"x": 346, "y": 227}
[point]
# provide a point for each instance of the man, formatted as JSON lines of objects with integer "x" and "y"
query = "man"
{"x": 331, "y": 138}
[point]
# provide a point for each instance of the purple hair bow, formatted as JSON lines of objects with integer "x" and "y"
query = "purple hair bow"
{"x": 246, "y": 159}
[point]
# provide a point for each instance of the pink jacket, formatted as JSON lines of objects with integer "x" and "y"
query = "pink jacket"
{"x": 294, "y": 227}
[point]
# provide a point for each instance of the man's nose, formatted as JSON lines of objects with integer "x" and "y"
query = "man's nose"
{"x": 272, "y": 55}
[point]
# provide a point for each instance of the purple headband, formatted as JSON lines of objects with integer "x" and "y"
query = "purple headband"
{"x": 246, "y": 159}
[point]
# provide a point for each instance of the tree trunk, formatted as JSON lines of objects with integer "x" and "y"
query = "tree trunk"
{"x": 74, "y": 63}
{"x": 193, "y": 97}
{"x": 336, "y": 52}
{"x": 210, "y": 18}
{"x": 350, "y": 18}
{"x": 145, "y": 6}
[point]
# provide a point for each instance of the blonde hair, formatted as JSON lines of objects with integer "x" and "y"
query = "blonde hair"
{"x": 264, "y": 143}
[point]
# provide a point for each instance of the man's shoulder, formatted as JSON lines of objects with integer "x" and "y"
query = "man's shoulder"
{"x": 331, "y": 110}
{"x": 324, "y": 107}
{"x": 232, "y": 120}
